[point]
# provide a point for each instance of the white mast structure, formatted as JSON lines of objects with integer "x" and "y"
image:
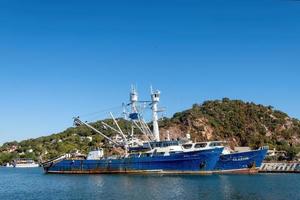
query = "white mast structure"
{"x": 155, "y": 97}
{"x": 133, "y": 99}
{"x": 135, "y": 113}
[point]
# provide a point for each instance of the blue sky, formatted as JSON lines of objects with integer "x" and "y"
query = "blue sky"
{"x": 63, "y": 58}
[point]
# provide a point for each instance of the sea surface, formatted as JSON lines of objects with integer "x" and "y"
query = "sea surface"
{"x": 20, "y": 184}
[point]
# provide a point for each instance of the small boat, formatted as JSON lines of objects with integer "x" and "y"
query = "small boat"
{"x": 24, "y": 163}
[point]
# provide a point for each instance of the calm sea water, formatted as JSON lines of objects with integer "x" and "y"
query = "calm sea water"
{"x": 34, "y": 184}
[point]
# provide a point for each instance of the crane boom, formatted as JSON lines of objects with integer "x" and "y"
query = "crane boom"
{"x": 77, "y": 121}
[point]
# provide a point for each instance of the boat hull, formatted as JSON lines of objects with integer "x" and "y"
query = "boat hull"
{"x": 198, "y": 162}
{"x": 241, "y": 162}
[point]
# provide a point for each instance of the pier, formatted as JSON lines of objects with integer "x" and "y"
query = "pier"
{"x": 275, "y": 167}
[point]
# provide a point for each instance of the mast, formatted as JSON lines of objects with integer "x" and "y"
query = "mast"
{"x": 133, "y": 99}
{"x": 135, "y": 115}
{"x": 155, "y": 96}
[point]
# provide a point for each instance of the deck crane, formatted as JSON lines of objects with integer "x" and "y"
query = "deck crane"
{"x": 78, "y": 122}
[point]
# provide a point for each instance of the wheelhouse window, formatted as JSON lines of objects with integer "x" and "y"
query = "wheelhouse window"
{"x": 187, "y": 146}
{"x": 162, "y": 144}
{"x": 200, "y": 145}
{"x": 215, "y": 144}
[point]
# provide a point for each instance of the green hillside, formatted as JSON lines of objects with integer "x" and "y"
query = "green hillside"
{"x": 240, "y": 123}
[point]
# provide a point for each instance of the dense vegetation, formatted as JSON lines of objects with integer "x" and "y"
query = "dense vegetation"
{"x": 243, "y": 124}
{"x": 73, "y": 139}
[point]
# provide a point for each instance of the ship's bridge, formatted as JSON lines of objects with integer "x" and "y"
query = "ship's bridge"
{"x": 161, "y": 144}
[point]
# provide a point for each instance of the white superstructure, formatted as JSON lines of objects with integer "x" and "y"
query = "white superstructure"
{"x": 96, "y": 154}
{"x": 25, "y": 163}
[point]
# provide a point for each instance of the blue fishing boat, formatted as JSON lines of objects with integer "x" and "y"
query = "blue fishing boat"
{"x": 241, "y": 162}
{"x": 170, "y": 159}
{"x": 152, "y": 156}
